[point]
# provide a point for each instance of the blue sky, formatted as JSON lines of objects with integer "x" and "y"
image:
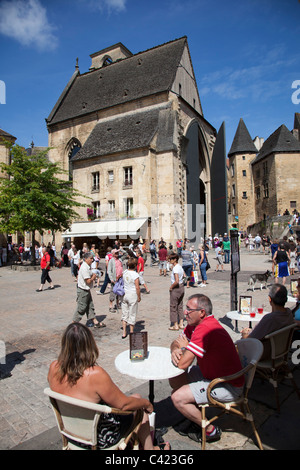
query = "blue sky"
{"x": 245, "y": 55}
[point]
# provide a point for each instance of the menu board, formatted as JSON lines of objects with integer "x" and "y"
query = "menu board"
{"x": 138, "y": 345}
{"x": 245, "y": 306}
{"x": 294, "y": 290}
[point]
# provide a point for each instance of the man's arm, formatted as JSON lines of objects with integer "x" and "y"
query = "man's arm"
{"x": 89, "y": 280}
{"x": 181, "y": 357}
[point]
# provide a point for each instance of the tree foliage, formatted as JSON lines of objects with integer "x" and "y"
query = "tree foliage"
{"x": 34, "y": 196}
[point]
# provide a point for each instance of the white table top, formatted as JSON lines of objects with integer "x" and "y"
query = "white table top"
{"x": 291, "y": 299}
{"x": 157, "y": 365}
{"x": 236, "y": 315}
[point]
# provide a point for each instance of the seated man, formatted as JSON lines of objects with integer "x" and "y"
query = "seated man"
{"x": 278, "y": 318}
{"x": 205, "y": 339}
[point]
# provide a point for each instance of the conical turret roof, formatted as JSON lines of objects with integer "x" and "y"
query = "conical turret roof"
{"x": 242, "y": 142}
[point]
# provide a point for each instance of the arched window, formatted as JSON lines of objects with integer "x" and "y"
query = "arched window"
{"x": 107, "y": 61}
{"x": 72, "y": 148}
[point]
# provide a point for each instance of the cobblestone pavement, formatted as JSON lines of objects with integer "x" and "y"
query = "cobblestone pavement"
{"x": 32, "y": 324}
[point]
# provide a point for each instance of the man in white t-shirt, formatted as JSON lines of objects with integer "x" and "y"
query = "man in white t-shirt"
{"x": 132, "y": 296}
{"x": 85, "y": 304}
{"x": 176, "y": 294}
{"x": 71, "y": 258}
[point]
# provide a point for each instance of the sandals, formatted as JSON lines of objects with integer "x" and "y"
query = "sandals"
{"x": 163, "y": 445}
{"x": 173, "y": 328}
{"x": 99, "y": 325}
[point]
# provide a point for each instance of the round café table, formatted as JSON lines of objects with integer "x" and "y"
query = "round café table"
{"x": 237, "y": 316}
{"x": 156, "y": 366}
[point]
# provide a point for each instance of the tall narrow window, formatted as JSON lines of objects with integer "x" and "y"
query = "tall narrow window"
{"x": 111, "y": 206}
{"x": 266, "y": 190}
{"x": 111, "y": 176}
{"x": 128, "y": 176}
{"x": 128, "y": 206}
{"x": 95, "y": 181}
{"x": 96, "y": 207}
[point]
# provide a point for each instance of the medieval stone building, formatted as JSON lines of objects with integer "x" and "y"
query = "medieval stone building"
{"x": 263, "y": 179}
{"x": 131, "y": 134}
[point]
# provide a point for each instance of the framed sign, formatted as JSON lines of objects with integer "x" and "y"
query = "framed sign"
{"x": 138, "y": 346}
{"x": 294, "y": 290}
{"x": 245, "y": 304}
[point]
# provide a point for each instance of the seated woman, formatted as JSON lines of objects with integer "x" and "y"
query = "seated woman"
{"x": 76, "y": 374}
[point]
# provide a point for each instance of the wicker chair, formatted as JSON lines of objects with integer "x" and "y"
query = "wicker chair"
{"x": 250, "y": 351}
{"x": 271, "y": 367}
{"x": 77, "y": 422}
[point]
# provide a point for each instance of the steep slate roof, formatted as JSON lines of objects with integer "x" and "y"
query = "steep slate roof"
{"x": 6, "y": 135}
{"x": 242, "y": 142}
{"x": 130, "y": 131}
{"x": 281, "y": 141}
{"x": 143, "y": 74}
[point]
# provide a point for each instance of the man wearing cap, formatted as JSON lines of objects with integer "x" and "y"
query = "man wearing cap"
{"x": 84, "y": 299}
{"x": 114, "y": 271}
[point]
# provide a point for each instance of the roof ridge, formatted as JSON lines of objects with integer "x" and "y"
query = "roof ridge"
{"x": 133, "y": 55}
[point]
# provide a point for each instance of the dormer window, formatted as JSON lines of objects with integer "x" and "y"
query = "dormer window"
{"x": 107, "y": 61}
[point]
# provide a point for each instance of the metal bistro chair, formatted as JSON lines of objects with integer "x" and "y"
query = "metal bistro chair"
{"x": 250, "y": 351}
{"x": 270, "y": 368}
{"x": 77, "y": 422}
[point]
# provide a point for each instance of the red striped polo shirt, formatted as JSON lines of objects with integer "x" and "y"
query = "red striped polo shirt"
{"x": 215, "y": 351}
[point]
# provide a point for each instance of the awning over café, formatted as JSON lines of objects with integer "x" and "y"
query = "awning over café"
{"x": 122, "y": 228}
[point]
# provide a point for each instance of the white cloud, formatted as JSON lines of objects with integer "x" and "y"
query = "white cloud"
{"x": 110, "y": 5}
{"x": 26, "y": 21}
{"x": 265, "y": 78}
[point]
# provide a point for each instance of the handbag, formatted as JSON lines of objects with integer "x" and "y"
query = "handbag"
{"x": 118, "y": 288}
{"x": 207, "y": 265}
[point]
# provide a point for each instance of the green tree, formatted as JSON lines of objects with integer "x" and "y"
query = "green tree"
{"x": 34, "y": 197}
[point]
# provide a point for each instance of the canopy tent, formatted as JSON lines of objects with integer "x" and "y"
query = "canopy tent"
{"x": 122, "y": 228}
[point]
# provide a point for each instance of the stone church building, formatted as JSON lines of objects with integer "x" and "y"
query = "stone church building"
{"x": 132, "y": 136}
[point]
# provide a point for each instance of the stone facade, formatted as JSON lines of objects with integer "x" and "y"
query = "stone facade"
{"x": 120, "y": 131}
{"x": 264, "y": 182}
